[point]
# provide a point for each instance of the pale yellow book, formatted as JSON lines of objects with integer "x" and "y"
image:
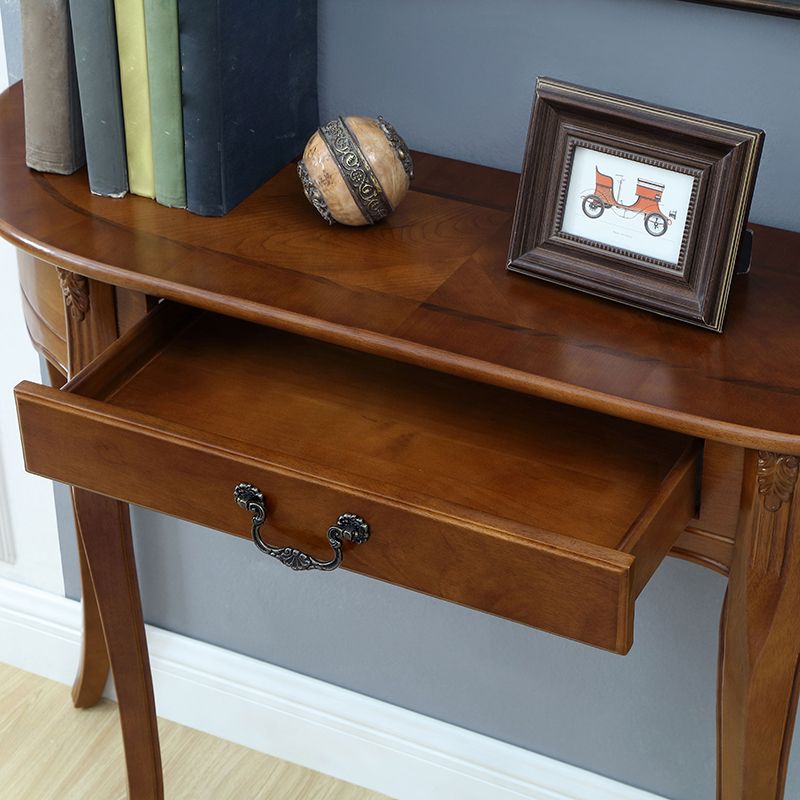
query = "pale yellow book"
{"x": 132, "y": 43}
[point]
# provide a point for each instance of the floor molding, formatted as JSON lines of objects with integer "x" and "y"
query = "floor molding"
{"x": 344, "y": 734}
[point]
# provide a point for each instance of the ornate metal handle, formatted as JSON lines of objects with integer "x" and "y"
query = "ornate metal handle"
{"x": 348, "y": 526}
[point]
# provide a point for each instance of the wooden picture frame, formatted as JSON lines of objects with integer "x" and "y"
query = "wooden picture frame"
{"x": 780, "y": 8}
{"x": 679, "y": 261}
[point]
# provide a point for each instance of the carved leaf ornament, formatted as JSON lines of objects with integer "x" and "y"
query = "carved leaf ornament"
{"x": 777, "y": 476}
{"x": 75, "y": 289}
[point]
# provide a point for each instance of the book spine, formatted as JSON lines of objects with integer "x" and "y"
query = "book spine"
{"x": 94, "y": 36}
{"x": 164, "y": 72}
{"x": 249, "y": 72}
{"x": 131, "y": 42}
{"x": 202, "y": 105}
{"x": 53, "y": 130}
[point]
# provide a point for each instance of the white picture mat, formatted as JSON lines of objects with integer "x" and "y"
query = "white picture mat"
{"x": 625, "y": 230}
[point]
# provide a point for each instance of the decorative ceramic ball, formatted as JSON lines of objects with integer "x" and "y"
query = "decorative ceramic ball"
{"x": 356, "y": 170}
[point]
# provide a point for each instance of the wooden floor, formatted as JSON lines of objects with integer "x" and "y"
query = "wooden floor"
{"x": 52, "y": 751}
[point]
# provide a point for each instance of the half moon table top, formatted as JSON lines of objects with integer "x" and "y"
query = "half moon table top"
{"x": 430, "y": 286}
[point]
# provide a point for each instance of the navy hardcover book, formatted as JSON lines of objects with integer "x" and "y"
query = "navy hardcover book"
{"x": 249, "y": 86}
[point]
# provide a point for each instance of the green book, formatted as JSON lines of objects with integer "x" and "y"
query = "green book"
{"x": 164, "y": 72}
{"x": 131, "y": 42}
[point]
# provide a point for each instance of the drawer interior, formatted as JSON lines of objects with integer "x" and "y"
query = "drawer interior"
{"x": 587, "y": 485}
{"x": 390, "y": 427}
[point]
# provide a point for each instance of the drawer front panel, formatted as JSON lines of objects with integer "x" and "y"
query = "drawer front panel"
{"x": 584, "y": 591}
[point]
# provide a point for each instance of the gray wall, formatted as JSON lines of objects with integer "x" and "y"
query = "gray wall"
{"x": 9, "y": 10}
{"x": 456, "y": 77}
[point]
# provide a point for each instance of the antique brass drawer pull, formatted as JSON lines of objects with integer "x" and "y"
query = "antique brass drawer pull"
{"x": 348, "y": 526}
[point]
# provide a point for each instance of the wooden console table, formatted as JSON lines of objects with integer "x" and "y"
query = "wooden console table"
{"x": 514, "y": 446}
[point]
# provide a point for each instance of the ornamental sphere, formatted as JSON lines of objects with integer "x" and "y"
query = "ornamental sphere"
{"x": 356, "y": 170}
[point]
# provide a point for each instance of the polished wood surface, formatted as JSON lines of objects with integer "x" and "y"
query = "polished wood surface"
{"x": 430, "y": 286}
{"x": 109, "y": 553}
{"x": 709, "y": 538}
{"x": 90, "y": 324}
{"x": 114, "y": 636}
{"x": 468, "y": 489}
{"x": 92, "y": 673}
{"x": 759, "y": 643}
{"x": 43, "y": 308}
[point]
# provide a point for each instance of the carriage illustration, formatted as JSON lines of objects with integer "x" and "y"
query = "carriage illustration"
{"x": 648, "y": 197}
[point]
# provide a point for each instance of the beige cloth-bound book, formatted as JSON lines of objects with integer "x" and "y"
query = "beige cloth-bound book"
{"x": 53, "y": 129}
{"x": 132, "y": 44}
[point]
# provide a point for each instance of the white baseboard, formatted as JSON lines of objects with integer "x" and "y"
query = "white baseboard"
{"x": 354, "y": 738}
{"x": 7, "y": 549}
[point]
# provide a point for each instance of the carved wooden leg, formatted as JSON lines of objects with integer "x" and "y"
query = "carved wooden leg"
{"x": 90, "y": 315}
{"x": 109, "y": 554}
{"x": 93, "y": 668}
{"x": 760, "y": 634}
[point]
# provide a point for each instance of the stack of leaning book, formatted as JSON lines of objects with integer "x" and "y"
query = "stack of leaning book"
{"x": 193, "y": 102}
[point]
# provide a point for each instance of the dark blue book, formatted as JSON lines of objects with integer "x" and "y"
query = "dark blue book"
{"x": 94, "y": 36}
{"x": 249, "y": 87}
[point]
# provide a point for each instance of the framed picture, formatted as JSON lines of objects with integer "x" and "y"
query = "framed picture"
{"x": 781, "y": 8}
{"x": 636, "y": 203}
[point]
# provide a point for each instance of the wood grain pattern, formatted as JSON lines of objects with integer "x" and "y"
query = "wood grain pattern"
{"x": 92, "y": 673}
{"x": 429, "y": 286}
{"x": 130, "y": 307}
{"x": 709, "y": 538}
{"x": 43, "y": 308}
{"x": 56, "y": 305}
{"x": 47, "y": 745}
{"x": 468, "y": 489}
{"x": 105, "y": 549}
{"x": 759, "y": 645}
{"x": 90, "y": 319}
{"x": 708, "y": 541}
{"x": 109, "y": 553}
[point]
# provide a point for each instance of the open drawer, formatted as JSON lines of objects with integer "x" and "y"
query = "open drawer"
{"x": 535, "y": 511}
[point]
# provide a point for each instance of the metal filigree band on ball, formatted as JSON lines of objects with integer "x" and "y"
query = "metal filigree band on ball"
{"x": 399, "y": 145}
{"x": 313, "y": 193}
{"x": 356, "y": 170}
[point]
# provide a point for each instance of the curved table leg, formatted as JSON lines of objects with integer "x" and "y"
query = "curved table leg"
{"x": 760, "y": 635}
{"x": 110, "y": 558}
{"x": 92, "y": 674}
{"x": 93, "y": 668}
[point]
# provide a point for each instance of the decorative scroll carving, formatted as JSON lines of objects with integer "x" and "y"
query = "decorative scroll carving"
{"x": 777, "y": 476}
{"x": 76, "y": 293}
